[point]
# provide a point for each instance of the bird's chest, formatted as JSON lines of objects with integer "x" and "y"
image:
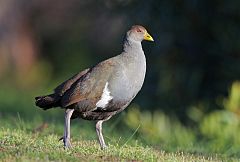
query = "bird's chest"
{"x": 128, "y": 81}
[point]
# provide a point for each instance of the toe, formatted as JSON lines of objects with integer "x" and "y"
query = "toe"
{"x": 67, "y": 144}
{"x": 104, "y": 147}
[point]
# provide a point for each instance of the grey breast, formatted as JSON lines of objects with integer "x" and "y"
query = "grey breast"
{"x": 128, "y": 76}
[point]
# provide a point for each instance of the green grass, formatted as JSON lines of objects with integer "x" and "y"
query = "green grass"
{"x": 23, "y": 144}
{"x": 29, "y": 134}
{"x": 18, "y": 145}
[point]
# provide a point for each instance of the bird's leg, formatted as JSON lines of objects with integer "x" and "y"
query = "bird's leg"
{"x": 99, "y": 134}
{"x": 66, "y": 137}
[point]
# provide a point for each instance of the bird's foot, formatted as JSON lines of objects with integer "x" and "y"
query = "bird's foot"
{"x": 67, "y": 143}
{"x": 104, "y": 147}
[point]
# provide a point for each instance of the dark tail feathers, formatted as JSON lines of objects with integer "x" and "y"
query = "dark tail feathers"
{"x": 47, "y": 102}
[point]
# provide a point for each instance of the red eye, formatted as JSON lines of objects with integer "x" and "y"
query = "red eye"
{"x": 138, "y": 30}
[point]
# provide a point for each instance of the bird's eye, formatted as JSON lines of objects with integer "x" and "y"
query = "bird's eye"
{"x": 138, "y": 30}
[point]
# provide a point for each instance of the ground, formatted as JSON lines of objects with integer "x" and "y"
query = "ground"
{"x": 20, "y": 144}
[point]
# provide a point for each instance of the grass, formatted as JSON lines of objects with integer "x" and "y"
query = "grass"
{"x": 18, "y": 145}
{"x": 21, "y": 141}
{"x": 30, "y": 134}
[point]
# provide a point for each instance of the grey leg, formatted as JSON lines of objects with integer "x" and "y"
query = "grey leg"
{"x": 66, "y": 137}
{"x": 99, "y": 134}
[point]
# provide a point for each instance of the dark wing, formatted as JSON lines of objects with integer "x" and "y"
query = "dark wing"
{"x": 88, "y": 88}
{"x": 62, "y": 88}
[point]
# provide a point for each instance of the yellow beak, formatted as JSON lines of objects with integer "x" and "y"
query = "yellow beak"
{"x": 148, "y": 37}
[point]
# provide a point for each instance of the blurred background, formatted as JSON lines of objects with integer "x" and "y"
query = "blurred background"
{"x": 191, "y": 96}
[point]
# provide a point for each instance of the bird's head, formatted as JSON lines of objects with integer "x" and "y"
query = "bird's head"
{"x": 138, "y": 33}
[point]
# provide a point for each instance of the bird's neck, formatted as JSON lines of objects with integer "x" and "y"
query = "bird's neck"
{"x": 133, "y": 52}
{"x": 131, "y": 46}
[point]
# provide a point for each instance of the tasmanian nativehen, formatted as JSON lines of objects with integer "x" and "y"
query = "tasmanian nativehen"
{"x": 104, "y": 90}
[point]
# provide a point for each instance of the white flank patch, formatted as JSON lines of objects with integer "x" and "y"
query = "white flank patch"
{"x": 105, "y": 98}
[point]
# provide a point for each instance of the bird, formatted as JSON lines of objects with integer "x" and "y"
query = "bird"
{"x": 104, "y": 90}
